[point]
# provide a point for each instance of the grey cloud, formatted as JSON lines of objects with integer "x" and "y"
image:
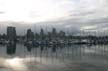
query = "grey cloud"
{"x": 77, "y": 19}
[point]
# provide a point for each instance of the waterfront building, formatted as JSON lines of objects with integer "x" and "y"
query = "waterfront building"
{"x": 42, "y": 34}
{"x": 11, "y": 33}
{"x": 30, "y": 35}
{"x": 54, "y": 33}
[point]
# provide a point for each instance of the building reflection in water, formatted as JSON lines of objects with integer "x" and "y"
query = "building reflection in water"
{"x": 11, "y": 48}
{"x": 29, "y": 47}
{"x": 41, "y": 48}
{"x": 54, "y": 48}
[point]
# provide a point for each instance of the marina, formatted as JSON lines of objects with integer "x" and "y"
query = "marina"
{"x": 65, "y": 58}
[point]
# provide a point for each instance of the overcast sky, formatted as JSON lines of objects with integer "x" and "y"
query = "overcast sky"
{"x": 74, "y": 15}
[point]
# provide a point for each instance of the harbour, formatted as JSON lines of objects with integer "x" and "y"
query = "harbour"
{"x": 69, "y": 57}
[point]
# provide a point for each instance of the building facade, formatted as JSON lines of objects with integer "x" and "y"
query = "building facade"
{"x": 11, "y": 33}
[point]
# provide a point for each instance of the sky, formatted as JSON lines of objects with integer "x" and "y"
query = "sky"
{"x": 74, "y": 15}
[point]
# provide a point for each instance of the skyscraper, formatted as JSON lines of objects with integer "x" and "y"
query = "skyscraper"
{"x": 11, "y": 33}
{"x": 30, "y": 34}
{"x": 54, "y": 33}
{"x": 42, "y": 35}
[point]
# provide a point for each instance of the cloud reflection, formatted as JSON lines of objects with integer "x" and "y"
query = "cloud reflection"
{"x": 22, "y": 64}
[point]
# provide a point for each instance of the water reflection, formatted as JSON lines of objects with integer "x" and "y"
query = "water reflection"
{"x": 60, "y": 51}
{"x": 29, "y": 47}
{"x": 11, "y": 48}
{"x": 51, "y": 58}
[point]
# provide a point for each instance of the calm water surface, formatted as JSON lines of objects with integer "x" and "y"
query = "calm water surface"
{"x": 54, "y": 58}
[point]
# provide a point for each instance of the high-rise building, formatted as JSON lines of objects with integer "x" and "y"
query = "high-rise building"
{"x": 54, "y": 33}
{"x": 42, "y": 35}
{"x": 11, "y": 33}
{"x": 62, "y": 34}
{"x": 30, "y": 34}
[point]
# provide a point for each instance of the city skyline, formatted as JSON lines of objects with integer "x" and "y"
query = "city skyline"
{"x": 74, "y": 15}
{"x": 37, "y": 29}
{"x": 53, "y": 35}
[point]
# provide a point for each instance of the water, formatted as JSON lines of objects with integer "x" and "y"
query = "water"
{"x": 54, "y": 58}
